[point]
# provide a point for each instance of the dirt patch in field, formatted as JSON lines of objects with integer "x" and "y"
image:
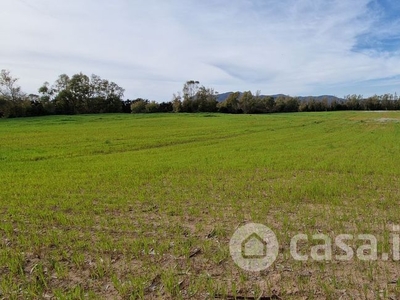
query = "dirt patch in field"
{"x": 379, "y": 111}
{"x": 387, "y": 120}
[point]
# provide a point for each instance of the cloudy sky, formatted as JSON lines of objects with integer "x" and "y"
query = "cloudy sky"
{"x": 151, "y": 47}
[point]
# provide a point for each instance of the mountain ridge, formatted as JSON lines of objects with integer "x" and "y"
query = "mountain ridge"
{"x": 330, "y": 98}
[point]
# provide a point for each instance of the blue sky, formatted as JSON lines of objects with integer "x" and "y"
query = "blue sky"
{"x": 151, "y": 47}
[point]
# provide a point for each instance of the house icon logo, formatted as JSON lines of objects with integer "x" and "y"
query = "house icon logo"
{"x": 254, "y": 247}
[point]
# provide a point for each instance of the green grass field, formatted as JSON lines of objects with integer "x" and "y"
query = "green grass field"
{"x": 144, "y": 206}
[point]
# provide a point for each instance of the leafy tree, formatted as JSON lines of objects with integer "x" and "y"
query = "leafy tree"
{"x": 9, "y": 90}
{"x": 268, "y": 103}
{"x": 314, "y": 104}
{"x": 373, "y": 103}
{"x": 83, "y": 94}
{"x": 61, "y": 83}
{"x": 354, "y": 102}
{"x": 166, "y": 107}
{"x": 230, "y": 104}
{"x": 190, "y": 89}
{"x": 206, "y": 100}
{"x": 139, "y": 106}
{"x": 263, "y": 104}
{"x": 80, "y": 92}
{"x": 152, "y": 107}
{"x": 13, "y": 102}
{"x": 65, "y": 103}
{"x": 287, "y": 104}
{"x": 46, "y": 92}
{"x": 247, "y": 102}
{"x": 387, "y": 102}
{"x": 176, "y": 103}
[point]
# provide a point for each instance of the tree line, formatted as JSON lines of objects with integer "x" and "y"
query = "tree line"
{"x": 79, "y": 94}
{"x": 248, "y": 103}
{"x": 82, "y": 94}
{"x": 195, "y": 98}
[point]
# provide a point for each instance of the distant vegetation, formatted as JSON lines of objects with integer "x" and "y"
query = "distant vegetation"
{"x": 78, "y": 94}
{"x": 81, "y": 94}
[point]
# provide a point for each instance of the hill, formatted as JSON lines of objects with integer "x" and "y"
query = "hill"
{"x": 330, "y": 98}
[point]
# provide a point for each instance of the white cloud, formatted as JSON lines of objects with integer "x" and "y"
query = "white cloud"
{"x": 151, "y": 47}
